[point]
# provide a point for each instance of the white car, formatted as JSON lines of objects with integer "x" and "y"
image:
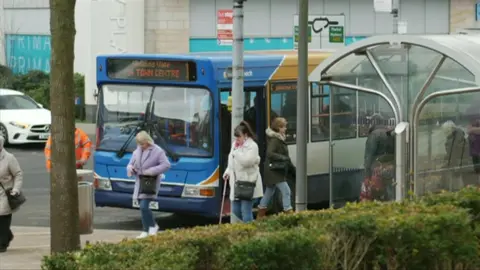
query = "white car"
{"x": 22, "y": 119}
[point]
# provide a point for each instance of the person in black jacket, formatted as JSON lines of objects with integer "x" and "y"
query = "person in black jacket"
{"x": 379, "y": 161}
{"x": 278, "y": 167}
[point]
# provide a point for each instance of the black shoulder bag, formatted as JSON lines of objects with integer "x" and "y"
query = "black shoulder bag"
{"x": 244, "y": 190}
{"x": 14, "y": 201}
{"x": 148, "y": 184}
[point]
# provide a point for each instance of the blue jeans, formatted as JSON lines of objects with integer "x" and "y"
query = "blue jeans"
{"x": 270, "y": 191}
{"x": 243, "y": 210}
{"x": 147, "y": 215}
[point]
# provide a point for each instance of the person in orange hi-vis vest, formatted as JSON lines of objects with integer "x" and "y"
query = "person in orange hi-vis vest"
{"x": 83, "y": 149}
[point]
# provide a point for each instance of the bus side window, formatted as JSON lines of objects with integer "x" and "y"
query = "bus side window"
{"x": 283, "y": 103}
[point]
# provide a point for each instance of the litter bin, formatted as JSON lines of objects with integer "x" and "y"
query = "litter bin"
{"x": 85, "y": 203}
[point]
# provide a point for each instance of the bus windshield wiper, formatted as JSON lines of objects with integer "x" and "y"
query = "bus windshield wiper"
{"x": 149, "y": 126}
{"x": 152, "y": 129}
{"x": 141, "y": 125}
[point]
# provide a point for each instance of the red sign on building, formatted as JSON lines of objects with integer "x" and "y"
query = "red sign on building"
{"x": 225, "y": 27}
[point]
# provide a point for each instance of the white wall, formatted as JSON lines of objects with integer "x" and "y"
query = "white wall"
{"x": 115, "y": 27}
{"x": 103, "y": 27}
{"x": 2, "y": 35}
{"x": 274, "y": 18}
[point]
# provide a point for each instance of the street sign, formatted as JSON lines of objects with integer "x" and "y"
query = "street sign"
{"x": 325, "y": 31}
{"x": 225, "y": 27}
{"x": 382, "y": 5}
{"x": 336, "y": 34}
{"x": 309, "y": 34}
{"x": 402, "y": 27}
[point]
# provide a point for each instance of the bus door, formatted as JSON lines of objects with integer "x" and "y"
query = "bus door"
{"x": 254, "y": 114}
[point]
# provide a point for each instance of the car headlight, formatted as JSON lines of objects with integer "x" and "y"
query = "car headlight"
{"x": 19, "y": 125}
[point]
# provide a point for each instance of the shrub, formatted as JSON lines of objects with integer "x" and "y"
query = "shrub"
{"x": 6, "y": 77}
{"x": 467, "y": 198}
{"x": 283, "y": 250}
{"x": 36, "y": 84}
{"x": 428, "y": 233}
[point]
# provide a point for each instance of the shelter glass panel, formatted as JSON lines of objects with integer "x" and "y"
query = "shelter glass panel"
{"x": 448, "y": 143}
{"x": 451, "y": 75}
{"x": 373, "y": 111}
{"x": 344, "y": 115}
{"x": 406, "y": 68}
{"x": 356, "y": 69}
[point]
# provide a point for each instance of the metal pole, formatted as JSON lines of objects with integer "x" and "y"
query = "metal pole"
{"x": 395, "y": 8}
{"x": 237, "y": 71}
{"x": 401, "y": 133}
{"x": 330, "y": 148}
{"x": 390, "y": 89}
{"x": 302, "y": 107}
{"x": 366, "y": 90}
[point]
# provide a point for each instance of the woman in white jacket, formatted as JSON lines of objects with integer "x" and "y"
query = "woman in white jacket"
{"x": 243, "y": 162}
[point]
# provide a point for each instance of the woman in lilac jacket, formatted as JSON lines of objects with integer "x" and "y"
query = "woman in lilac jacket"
{"x": 147, "y": 159}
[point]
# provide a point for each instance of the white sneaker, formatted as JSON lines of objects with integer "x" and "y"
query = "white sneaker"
{"x": 153, "y": 230}
{"x": 142, "y": 235}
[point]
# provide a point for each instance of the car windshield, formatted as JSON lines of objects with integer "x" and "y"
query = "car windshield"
{"x": 17, "y": 102}
{"x": 182, "y": 116}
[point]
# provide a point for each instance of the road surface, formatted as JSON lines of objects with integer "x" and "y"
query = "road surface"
{"x": 36, "y": 211}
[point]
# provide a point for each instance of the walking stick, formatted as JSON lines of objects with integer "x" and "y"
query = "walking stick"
{"x": 223, "y": 201}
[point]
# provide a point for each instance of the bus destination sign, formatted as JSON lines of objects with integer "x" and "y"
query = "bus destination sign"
{"x": 152, "y": 70}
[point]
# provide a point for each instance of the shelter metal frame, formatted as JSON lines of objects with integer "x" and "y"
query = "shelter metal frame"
{"x": 416, "y": 120}
{"x": 460, "y": 48}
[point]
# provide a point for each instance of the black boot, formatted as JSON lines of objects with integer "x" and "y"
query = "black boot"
{"x": 10, "y": 238}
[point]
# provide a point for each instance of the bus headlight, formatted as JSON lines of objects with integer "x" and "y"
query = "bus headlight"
{"x": 198, "y": 192}
{"x": 101, "y": 183}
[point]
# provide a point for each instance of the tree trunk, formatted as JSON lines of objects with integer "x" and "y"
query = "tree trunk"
{"x": 64, "y": 221}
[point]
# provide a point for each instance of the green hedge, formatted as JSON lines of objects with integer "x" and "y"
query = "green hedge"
{"x": 434, "y": 232}
{"x": 36, "y": 84}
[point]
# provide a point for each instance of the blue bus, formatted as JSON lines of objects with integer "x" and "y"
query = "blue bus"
{"x": 186, "y": 93}
{"x": 185, "y": 99}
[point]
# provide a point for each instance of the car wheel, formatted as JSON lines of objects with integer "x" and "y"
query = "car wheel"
{"x": 4, "y": 133}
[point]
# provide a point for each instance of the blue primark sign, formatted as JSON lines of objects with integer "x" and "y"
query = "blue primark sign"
{"x": 28, "y": 52}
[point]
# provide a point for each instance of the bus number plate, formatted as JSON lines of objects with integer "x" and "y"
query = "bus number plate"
{"x": 153, "y": 205}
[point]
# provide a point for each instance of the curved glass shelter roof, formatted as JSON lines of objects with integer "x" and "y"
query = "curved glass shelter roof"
{"x": 405, "y": 69}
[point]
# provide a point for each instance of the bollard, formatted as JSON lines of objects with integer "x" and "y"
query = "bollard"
{"x": 85, "y": 207}
{"x": 85, "y": 203}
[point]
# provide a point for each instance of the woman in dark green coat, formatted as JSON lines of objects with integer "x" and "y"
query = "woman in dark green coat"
{"x": 278, "y": 167}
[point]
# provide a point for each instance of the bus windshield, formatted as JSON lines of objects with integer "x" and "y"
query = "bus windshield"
{"x": 182, "y": 116}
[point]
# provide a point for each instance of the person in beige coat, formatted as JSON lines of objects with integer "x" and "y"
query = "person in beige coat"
{"x": 11, "y": 177}
{"x": 243, "y": 162}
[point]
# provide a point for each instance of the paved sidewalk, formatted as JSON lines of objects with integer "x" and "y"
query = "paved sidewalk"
{"x": 32, "y": 243}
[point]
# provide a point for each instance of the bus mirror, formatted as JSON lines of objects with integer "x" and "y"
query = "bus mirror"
{"x": 229, "y": 103}
{"x": 95, "y": 93}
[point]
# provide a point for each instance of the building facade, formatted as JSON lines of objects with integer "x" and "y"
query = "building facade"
{"x": 183, "y": 26}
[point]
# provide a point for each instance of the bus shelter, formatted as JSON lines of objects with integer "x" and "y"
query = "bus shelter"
{"x": 423, "y": 88}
